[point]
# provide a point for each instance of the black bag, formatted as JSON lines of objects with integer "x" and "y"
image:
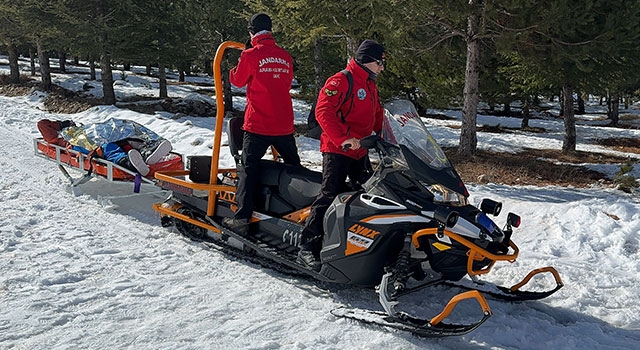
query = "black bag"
{"x": 313, "y": 128}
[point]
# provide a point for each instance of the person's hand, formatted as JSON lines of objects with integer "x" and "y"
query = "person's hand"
{"x": 248, "y": 45}
{"x": 352, "y": 143}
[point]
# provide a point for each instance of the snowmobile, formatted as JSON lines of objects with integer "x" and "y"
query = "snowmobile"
{"x": 408, "y": 227}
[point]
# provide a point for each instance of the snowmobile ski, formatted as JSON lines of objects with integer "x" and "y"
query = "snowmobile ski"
{"x": 513, "y": 293}
{"x": 405, "y": 322}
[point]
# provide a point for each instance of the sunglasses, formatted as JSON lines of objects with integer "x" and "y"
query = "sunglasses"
{"x": 381, "y": 63}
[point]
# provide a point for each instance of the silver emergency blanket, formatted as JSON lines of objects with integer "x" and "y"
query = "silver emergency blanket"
{"x": 93, "y": 136}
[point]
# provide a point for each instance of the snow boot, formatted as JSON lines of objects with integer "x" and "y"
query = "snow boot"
{"x": 239, "y": 226}
{"x": 135, "y": 158}
{"x": 308, "y": 258}
{"x": 154, "y": 151}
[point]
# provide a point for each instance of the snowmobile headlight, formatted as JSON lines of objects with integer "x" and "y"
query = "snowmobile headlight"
{"x": 489, "y": 206}
{"x": 444, "y": 195}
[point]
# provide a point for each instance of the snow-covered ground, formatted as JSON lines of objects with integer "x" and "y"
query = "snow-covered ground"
{"x": 80, "y": 270}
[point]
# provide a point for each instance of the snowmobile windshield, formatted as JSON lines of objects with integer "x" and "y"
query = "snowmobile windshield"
{"x": 403, "y": 126}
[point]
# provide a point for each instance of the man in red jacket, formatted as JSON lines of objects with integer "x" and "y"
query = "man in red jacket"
{"x": 267, "y": 71}
{"x": 344, "y": 123}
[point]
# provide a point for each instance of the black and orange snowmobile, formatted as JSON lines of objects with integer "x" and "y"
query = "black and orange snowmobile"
{"x": 409, "y": 227}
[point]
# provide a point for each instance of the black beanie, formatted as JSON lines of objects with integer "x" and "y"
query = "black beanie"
{"x": 259, "y": 22}
{"x": 369, "y": 51}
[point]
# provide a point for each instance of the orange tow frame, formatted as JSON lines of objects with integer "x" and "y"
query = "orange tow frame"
{"x": 477, "y": 253}
{"x": 179, "y": 177}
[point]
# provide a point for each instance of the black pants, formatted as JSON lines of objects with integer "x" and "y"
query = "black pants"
{"x": 335, "y": 169}
{"x": 254, "y": 147}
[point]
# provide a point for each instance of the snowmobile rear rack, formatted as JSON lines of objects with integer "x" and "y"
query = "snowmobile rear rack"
{"x": 178, "y": 178}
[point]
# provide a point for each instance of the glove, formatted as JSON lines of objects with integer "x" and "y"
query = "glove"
{"x": 248, "y": 45}
{"x": 66, "y": 124}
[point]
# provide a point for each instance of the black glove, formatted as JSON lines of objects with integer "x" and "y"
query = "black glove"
{"x": 66, "y": 124}
{"x": 248, "y": 45}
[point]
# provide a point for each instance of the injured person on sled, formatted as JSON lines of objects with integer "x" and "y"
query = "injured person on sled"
{"x": 119, "y": 141}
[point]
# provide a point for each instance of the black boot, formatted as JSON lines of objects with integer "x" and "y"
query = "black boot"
{"x": 309, "y": 254}
{"x": 239, "y": 226}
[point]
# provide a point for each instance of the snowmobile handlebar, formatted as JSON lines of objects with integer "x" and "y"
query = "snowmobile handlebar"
{"x": 370, "y": 141}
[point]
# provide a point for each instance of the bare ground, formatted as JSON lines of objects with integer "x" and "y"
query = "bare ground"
{"x": 530, "y": 167}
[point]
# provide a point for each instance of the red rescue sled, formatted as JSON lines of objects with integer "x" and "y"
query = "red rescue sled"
{"x": 96, "y": 166}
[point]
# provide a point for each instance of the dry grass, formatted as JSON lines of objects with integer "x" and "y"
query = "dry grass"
{"x": 531, "y": 167}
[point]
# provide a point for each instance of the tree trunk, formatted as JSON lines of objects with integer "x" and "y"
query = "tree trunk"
{"x": 62, "y": 58}
{"x": 613, "y": 109}
{"x": 468, "y": 137}
{"x": 226, "y": 87}
{"x": 526, "y": 113}
{"x": 569, "y": 142}
{"x": 92, "y": 69}
{"x": 14, "y": 68}
{"x": 208, "y": 67}
{"x": 45, "y": 69}
{"x": 32, "y": 60}
{"x": 107, "y": 79}
{"x": 148, "y": 71}
{"x": 581, "y": 109}
{"x": 317, "y": 65}
{"x": 162, "y": 79}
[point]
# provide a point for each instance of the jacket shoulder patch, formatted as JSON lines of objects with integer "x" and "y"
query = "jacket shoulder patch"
{"x": 330, "y": 93}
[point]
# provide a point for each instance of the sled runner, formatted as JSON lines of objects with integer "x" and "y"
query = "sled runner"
{"x": 95, "y": 166}
{"x": 408, "y": 228}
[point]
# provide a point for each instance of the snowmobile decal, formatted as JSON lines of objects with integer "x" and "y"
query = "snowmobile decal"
{"x": 395, "y": 218}
{"x": 440, "y": 246}
{"x": 356, "y": 243}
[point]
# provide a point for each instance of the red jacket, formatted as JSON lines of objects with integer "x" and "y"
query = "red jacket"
{"x": 363, "y": 112}
{"x": 267, "y": 71}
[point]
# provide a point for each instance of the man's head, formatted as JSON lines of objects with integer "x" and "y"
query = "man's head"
{"x": 258, "y": 23}
{"x": 371, "y": 55}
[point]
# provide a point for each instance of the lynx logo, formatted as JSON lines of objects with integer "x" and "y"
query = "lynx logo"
{"x": 363, "y": 231}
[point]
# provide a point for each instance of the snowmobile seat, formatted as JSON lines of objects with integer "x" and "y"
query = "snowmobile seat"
{"x": 296, "y": 186}
{"x": 285, "y": 187}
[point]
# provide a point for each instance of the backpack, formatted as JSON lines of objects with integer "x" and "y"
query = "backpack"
{"x": 313, "y": 128}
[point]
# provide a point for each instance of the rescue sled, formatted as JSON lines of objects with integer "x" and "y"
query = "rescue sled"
{"x": 95, "y": 166}
{"x": 410, "y": 226}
